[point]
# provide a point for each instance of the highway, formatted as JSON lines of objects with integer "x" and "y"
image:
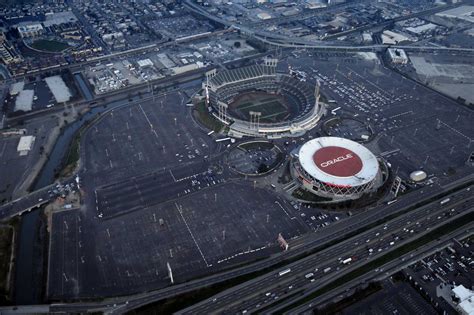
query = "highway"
{"x": 292, "y": 43}
{"x": 322, "y": 267}
{"x": 307, "y": 14}
{"x": 383, "y": 271}
{"x": 34, "y": 199}
{"x": 25, "y": 204}
{"x": 279, "y": 40}
{"x": 338, "y": 231}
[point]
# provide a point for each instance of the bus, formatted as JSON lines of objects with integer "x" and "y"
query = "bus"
{"x": 284, "y": 272}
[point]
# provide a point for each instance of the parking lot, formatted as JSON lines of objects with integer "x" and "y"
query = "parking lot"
{"x": 395, "y": 298}
{"x": 198, "y": 234}
{"x": 434, "y": 274}
{"x": 348, "y": 128}
{"x": 418, "y": 127}
{"x": 157, "y": 193}
{"x": 253, "y": 159}
{"x": 143, "y": 191}
{"x": 139, "y": 139}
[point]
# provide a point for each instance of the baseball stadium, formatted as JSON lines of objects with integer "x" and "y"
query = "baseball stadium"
{"x": 336, "y": 169}
{"x": 257, "y": 101}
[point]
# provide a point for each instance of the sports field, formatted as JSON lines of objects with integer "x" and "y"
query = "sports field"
{"x": 273, "y": 107}
{"x": 49, "y": 45}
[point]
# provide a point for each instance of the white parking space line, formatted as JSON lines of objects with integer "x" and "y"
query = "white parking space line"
{"x": 284, "y": 210}
{"x": 456, "y": 131}
{"x": 3, "y": 148}
{"x": 171, "y": 173}
{"x": 192, "y": 235}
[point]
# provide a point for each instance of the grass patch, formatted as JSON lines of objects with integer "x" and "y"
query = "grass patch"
{"x": 205, "y": 118}
{"x": 49, "y": 45}
{"x": 73, "y": 153}
{"x": 72, "y": 158}
{"x": 7, "y": 233}
{"x": 273, "y": 109}
{"x": 257, "y": 145}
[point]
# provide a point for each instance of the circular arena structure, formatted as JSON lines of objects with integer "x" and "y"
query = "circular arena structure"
{"x": 336, "y": 169}
{"x": 257, "y": 101}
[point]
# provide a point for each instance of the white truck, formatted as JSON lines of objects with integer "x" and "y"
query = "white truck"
{"x": 346, "y": 261}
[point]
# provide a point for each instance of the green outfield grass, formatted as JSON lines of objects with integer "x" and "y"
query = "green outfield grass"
{"x": 49, "y": 45}
{"x": 273, "y": 108}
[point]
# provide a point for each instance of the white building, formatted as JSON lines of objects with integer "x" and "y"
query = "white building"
{"x": 25, "y": 144}
{"x": 465, "y": 297}
{"x": 264, "y": 16}
{"x": 367, "y": 37}
{"x": 30, "y": 30}
{"x": 145, "y": 63}
{"x": 389, "y": 37}
{"x": 397, "y": 56}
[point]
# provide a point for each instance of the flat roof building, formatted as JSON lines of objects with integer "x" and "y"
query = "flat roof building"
{"x": 397, "y": 56}
{"x": 30, "y": 30}
{"x": 25, "y": 145}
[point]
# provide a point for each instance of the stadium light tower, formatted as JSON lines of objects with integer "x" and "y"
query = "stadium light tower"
{"x": 255, "y": 119}
{"x": 223, "y": 112}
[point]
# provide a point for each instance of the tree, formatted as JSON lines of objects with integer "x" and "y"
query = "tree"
{"x": 237, "y": 44}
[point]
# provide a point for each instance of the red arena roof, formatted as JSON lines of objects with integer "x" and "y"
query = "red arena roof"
{"x": 338, "y": 161}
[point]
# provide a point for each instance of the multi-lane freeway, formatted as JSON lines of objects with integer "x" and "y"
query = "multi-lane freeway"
{"x": 324, "y": 266}
{"x": 309, "y": 243}
{"x": 279, "y": 40}
{"x": 385, "y": 270}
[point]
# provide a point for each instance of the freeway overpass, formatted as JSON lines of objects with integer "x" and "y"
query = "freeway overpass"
{"x": 291, "y": 43}
{"x": 24, "y": 204}
{"x": 279, "y": 40}
{"x": 307, "y": 14}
